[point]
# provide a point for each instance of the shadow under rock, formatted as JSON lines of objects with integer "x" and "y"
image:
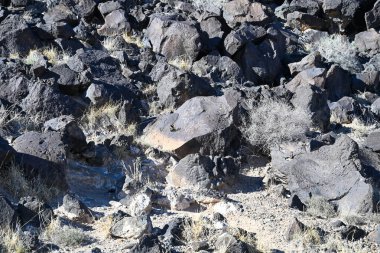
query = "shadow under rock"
{"x": 247, "y": 184}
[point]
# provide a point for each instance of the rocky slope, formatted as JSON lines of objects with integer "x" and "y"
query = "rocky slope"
{"x": 189, "y": 126}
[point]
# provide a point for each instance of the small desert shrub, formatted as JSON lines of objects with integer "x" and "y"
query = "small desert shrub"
{"x": 181, "y": 62}
{"x": 195, "y": 229}
{"x": 132, "y": 39}
{"x": 13, "y": 179}
{"x": 65, "y": 235}
{"x": 11, "y": 242}
{"x": 274, "y": 122}
{"x": 320, "y": 207}
{"x": 337, "y": 49}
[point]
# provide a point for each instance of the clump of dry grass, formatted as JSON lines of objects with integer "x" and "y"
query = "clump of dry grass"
{"x": 105, "y": 119}
{"x": 32, "y": 57}
{"x": 274, "y": 122}
{"x": 65, "y": 235}
{"x": 14, "y": 180}
{"x": 320, "y": 207}
{"x": 11, "y": 242}
{"x": 54, "y": 57}
{"x": 111, "y": 44}
{"x": 181, "y": 62}
{"x": 12, "y": 119}
{"x": 132, "y": 39}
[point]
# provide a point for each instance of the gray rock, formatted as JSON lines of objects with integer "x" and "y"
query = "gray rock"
{"x": 313, "y": 100}
{"x": 116, "y": 23}
{"x": 202, "y": 124}
{"x": 132, "y": 227}
{"x": 177, "y": 86}
{"x": 372, "y": 17}
{"x": 374, "y": 236}
{"x": 372, "y": 141}
{"x": 338, "y": 83}
{"x": 375, "y": 107}
{"x": 71, "y": 133}
{"x": 312, "y": 76}
{"x": 344, "y": 110}
{"x": 173, "y": 38}
{"x": 301, "y": 21}
{"x": 313, "y": 60}
{"x": 237, "y": 39}
{"x": 295, "y": 228}
{"x": 243, "y": 11}
{"x": 69, "y": 81}
{"x": 199, "y": 172}
{"x": 368, "y": 42}
{"x": 60, "y": 13}
{"x": 366, "y": 81}
{"x": 16, "y": 35}
{"x": 108, "y": 7}
{"x": 214, "y": 30}
{"x": 77, "y": 209}
{"x": 331, "y": 172}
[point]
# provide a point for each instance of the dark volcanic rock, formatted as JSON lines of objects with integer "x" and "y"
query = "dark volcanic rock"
{"x": 332, "y": 172}
{"x": 201, "y": 124}
{"x": 8, "y": 214}
{"x": 34, "y": 212}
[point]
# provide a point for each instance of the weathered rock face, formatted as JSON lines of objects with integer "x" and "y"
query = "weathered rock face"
{"x": 243, "y": 11}
{"x": 372, "y": 18}
{"x": 332, "y": 172}
{"x": 344, "y": 110}
{"x": 15, "y": 35}
{"x": 115, "y": 23}
{"x": 201, "y": 124}
{"x": 173, "y": 38}
{"x": 199, "y": 172}
{"x": 77, "y": 209}
{"x": 368, "y": 42}
{"x": 177, "y": 86}
{"x": 131, "y": 227}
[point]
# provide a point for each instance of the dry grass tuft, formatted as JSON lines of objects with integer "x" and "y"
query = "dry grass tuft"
{"x": 12, "y": 119}
{"x": 65, "y": 235}
{"x": 13, "y": 179}
{"x": 131, "y": 39}
{"x": 320, "y": 207}
{"x": 11, "y": 242}
{"x": 105, "y": 119}
{"x": 32, "y": 57}
{"x": 181, "y": 62}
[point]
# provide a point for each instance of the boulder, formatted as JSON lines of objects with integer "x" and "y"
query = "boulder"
{"x": 295, "y": 228}
{"x": 138, "y": 204}
{"x": 313, "y": 100}
{"x": 177, "y": 86}
{"x": 76, "y": 209}
{"x": 338, "y": 83}
{"x": 70, "y": 131}
{"x": 220, "y": 69}
{"x": 375, "y": 107}
{"x": 69, "y": 81}
{"x": 366, "y": 81}
{"x": 372, "y": 141}
{"x": 262, "y": 63}
{"x": 203, "y": 125}
{"x": 60, "y": 13}
{"x": 312, "y": 76}
{"x": 344, "y": 110}
{"x": 34, "y": 212}
{"x": 48, "y": 145}
{"x": 45, "y": 98}
{"x": 213, "y": 28}
{"x": 302, "y": 21}
{"x": 332, "y": 172}
{"x": 368, "y": 42}
{"x": 16, "y": 35}
{"x": 131, "y": 227}
{"x": 237, "y": 39}
{"x": 108, "y": 7}
{"x": 243, "y": 11}
{"x": 173, "y": 38}
{"x": 199, "y": 172}
{"x": 116, "y": 23}
{"x": 313, "y": 60}
{"x": 372, "y": 17}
